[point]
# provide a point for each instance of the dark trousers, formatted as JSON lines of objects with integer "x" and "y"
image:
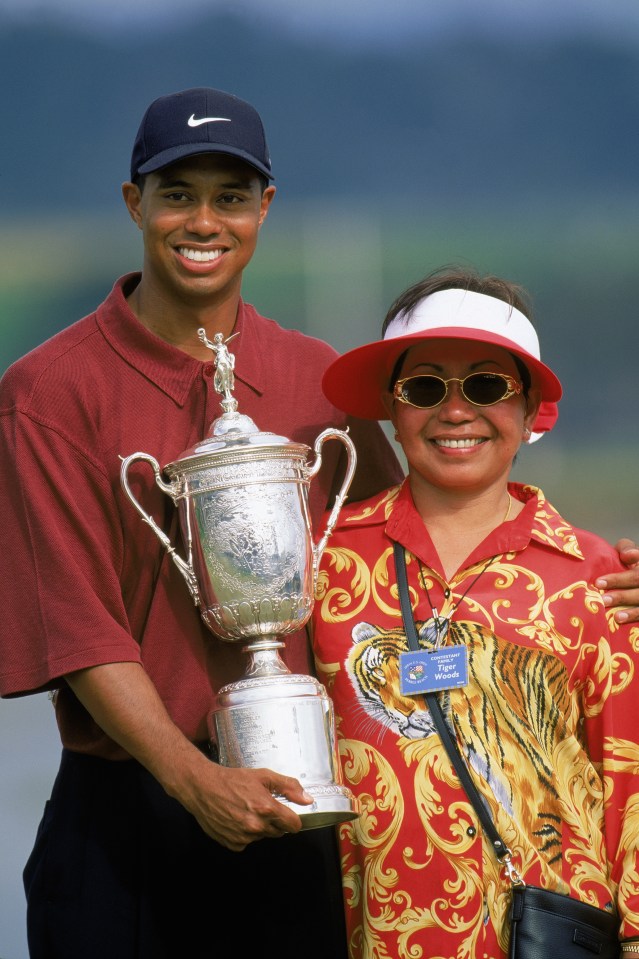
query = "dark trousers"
{"x": 120, "y": 870}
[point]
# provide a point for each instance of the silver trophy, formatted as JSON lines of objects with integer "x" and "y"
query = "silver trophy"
{"x": 251, "y": 568}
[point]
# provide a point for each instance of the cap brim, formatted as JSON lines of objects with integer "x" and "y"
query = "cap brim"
{"x": 167, "y": 157}
{"x": 357, "y": 381}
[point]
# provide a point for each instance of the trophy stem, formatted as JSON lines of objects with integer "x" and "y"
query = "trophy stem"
{"x": 264, "y": 658}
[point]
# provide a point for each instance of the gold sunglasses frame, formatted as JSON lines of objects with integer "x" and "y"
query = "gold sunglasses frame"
{"x": 513, "y": 388}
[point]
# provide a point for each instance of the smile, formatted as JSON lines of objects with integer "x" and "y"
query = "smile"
{"x": 459, "y": 444}
{"x": 199, "y": 256}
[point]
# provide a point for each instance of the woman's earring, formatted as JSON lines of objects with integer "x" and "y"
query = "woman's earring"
{"x": 527, "y": 434}
{"x": 397, "y": 436}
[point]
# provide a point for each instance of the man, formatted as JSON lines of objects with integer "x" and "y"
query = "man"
{"x": 157, "y": 855}
{"x": 147, "y": 847}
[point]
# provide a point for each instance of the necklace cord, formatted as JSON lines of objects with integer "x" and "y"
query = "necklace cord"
{"x": 438, "y": 619}
{"x": 455, "y": 607}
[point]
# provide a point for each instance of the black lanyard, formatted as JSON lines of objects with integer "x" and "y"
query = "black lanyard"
{"x": 501, "y": 849}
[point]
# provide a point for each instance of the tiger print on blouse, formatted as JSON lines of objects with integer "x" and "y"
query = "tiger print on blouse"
{"x": 510, "y": 720}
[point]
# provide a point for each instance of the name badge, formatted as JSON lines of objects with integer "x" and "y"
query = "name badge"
{"x": 431, "y": 671}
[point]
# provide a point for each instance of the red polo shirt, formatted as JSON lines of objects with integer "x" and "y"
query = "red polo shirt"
{"x": 84, "y": 581}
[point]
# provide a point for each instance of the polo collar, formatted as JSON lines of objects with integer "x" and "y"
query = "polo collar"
{"x": 538, "y": 522}
{"x": 170, "y": 369}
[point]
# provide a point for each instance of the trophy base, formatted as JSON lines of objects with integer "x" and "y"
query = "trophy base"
{"x": 331, "y": 806}
{"x": 285, "y": 722}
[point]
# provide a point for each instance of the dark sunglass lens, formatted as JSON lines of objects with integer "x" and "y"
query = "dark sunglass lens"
{"x": 485, "y": 389}
{"x": 424, "y": 391}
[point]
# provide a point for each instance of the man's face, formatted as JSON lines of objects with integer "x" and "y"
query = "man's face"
{"x": 200, "y": 220}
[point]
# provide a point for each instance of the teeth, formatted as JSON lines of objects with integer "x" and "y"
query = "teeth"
{"x": 200, "y": 256}
{"x": 459, "y": 444}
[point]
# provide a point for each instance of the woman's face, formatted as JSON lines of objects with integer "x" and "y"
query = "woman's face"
{"x": 457, "y": 446}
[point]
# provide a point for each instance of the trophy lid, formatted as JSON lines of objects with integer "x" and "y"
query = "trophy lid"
{"x": 231, "y": 431}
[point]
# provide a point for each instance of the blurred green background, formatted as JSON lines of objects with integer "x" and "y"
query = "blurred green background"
{"x": 332, "y": 271}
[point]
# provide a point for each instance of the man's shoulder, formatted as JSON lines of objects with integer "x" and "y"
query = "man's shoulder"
{"x": 273, "y": 334}
{"x": 68, "y": 360}
{"x": 54, "y": 360}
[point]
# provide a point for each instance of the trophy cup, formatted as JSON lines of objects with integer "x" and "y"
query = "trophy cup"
{"x": 251, "y": 568}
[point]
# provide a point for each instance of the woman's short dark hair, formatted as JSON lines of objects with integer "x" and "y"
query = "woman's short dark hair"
{"x": 460, "y": 278}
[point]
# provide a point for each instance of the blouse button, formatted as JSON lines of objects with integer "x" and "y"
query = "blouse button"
{"x": 471, "y": 831}
{"x": 208, "y": 369}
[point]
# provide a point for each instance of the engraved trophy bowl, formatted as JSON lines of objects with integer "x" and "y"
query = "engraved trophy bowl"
{"x": 251, "y": 568}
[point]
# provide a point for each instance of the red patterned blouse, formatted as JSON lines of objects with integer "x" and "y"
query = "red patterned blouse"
{"x": 548, "y": 722}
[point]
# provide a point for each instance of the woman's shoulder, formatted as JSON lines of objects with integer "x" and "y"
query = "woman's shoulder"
{"x": 552, "y": 525}
{"x": 600, "y": 555}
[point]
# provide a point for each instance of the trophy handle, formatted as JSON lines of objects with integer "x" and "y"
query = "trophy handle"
{"x": 184, "y": 567}
{"x": 343, "y": 437}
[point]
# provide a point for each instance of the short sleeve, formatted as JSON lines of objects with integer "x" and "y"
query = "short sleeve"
{"x": 62, "y": 607}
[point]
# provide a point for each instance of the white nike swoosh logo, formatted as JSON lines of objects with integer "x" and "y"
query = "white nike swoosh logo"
{"x": 198, "y": 123}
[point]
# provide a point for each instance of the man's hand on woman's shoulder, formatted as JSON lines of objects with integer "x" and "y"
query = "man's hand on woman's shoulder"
{"x": 622, "y": 589}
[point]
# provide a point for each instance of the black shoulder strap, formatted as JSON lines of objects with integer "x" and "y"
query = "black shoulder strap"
{"x": 431, "y": 699}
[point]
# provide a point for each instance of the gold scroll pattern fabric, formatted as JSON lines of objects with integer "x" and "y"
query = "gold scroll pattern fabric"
{"x": 548, "y": 724}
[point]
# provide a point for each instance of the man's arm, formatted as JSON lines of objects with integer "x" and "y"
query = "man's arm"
{"x": 233, "y": 806}
{"x": 622, "y": 589}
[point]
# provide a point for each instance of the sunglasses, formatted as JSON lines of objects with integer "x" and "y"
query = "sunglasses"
{"x": 480, "y": 389}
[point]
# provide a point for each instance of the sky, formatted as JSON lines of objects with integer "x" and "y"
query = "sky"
{"x": 352, "y": 20}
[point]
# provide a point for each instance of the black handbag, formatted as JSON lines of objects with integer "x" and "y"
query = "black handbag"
{"x": 546, "y": 924}
{"x": 543, "y": 924}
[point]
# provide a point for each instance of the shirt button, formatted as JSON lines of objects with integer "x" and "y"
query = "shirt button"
{"x": 208, "y": 369}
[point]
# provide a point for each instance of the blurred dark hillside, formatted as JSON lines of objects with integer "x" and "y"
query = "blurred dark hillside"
{"x": 515, "y": 153}
{"x": 449, "y": 121}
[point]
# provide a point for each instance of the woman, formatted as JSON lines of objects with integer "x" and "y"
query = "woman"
{"x": 547, "y": 707}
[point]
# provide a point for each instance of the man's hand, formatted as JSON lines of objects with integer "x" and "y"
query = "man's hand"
{"x": 233, "y": 806}
{"x": 238, "y": 806}
{"x": 622, "y": 589}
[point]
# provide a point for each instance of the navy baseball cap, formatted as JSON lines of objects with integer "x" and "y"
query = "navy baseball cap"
{"x": 200, "y": 120}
